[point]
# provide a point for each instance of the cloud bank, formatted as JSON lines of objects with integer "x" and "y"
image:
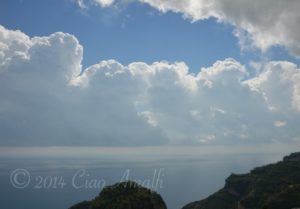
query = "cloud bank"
{"x": 48, "y": 99}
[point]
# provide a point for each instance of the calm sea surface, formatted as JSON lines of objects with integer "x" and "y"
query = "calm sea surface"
{"x": 59, "y": 182}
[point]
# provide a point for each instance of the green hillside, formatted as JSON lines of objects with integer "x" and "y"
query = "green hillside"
{"x": 125, "y": 195}
{"x": 274, "y": 186}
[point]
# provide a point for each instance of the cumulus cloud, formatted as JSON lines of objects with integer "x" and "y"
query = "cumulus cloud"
{"x": 259, "y": 23}
{"x": 279, "y": 83}
{"x": 47, "y": 99}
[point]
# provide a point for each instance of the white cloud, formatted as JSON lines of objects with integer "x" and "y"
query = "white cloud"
{"x": 46, "y": 101}
{"x": 279, "y": 83}
{"x": 104, "y": 3}
{"x": 149, "y": 117}
{"x": 279, "y": 123}
{"x": 260, "y": 23}
{"x": 84, "y": 4}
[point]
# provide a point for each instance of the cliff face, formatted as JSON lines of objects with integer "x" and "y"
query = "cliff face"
{"x": 275, "y": 186}
{"x": 125, "y": 195}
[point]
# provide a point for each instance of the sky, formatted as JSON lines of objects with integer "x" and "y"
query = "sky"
{"x": 149, "y": 72}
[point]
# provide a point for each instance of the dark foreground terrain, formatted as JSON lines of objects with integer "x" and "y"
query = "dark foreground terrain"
{"x": 274, "y": 186}
{"x": 125, "y": 195}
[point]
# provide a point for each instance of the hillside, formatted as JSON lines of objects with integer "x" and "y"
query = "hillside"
{"x": 125, "y": 195}
{"x": 274, "y": 186}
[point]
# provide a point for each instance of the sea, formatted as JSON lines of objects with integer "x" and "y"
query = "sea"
{"x": 57, "y": 178}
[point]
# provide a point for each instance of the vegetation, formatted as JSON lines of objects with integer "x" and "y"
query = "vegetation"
{"x": 275, "y": 186}
{"x": 125, "y": 195}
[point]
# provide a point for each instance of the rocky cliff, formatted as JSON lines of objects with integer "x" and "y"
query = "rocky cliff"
{"x": 274, "y": 186}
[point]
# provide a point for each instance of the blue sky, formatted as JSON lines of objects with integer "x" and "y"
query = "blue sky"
{"x": 132, "y": 32}
{"x": 136, "y": 32}
{"x": 153, "y": 72}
